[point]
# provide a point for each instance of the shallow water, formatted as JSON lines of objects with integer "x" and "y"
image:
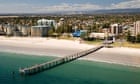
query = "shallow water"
{"x": 76, "y": 72}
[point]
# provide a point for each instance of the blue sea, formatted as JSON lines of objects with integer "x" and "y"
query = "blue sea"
{"x": 75, "y": 72}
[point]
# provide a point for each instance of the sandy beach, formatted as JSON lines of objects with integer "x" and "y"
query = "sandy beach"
{"x": 60, "y": 48}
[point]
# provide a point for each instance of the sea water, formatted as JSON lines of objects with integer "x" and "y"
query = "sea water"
{"x": 75, "y": 72}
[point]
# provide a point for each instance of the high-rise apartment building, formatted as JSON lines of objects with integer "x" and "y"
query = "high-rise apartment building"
{"x": 116, "y": 29}
{"x": 137, "y": 27}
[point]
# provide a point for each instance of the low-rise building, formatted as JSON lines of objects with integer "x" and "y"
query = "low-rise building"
{"x": 100, "y": 35}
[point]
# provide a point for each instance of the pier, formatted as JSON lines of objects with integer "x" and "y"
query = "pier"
{"x": 56, "y": 62}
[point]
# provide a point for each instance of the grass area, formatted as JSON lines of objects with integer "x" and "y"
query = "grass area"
{"x": 127, "y": 44}
{"x": 96, "y": 42}
{"x": 66, "y": 38}
{"x": 116, "y": 44}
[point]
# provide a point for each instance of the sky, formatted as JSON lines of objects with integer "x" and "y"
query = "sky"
{"x": 49, "y": 6}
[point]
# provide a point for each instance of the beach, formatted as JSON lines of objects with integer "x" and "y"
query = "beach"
{"x": 57, "y": 47}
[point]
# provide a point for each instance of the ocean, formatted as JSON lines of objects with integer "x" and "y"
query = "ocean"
{"x": 75, "y": 72}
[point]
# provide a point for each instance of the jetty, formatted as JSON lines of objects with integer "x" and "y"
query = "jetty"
{"x": 56, "y": 62}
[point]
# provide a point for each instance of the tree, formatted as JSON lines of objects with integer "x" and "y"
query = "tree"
{"x": 138, "y": 38}
{"x": 60, "y": 29}
{"x": 106, "y": 25}
{"x": 50, "y": 32}
{"x": 95, "y": 28}
{"x": 128, "y": 36}
{"x": 69, "y": 28}
{"x": 52, "y": 27}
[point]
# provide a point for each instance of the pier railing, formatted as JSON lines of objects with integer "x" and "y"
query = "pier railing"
{"x": 48, "y": 65}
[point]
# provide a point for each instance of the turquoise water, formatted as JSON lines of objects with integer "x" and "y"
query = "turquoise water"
{"x": 76, "y": 72}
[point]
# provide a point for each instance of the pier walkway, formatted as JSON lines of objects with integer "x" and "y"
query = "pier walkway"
{"x": 48, "y": 65}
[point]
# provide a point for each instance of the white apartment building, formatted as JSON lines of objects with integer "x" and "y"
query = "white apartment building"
{"x": 116, "y": 29}
{"x": 137, "y": 27}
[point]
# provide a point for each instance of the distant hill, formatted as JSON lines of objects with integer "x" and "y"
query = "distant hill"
{"x": 110, "y": 11}
{"x": 136, "y": 10}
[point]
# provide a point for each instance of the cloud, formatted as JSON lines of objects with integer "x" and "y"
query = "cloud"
{"x": 23, "y": 7}
{"x": 41, "y": 8}
{"x": 126, "y": 4}
{"x": 15, "y": 8}
{"x": 68, "y": 7}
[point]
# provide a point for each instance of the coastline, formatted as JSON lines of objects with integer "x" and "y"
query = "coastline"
{"x": 117, "y": 55}
{"x": 60, "y": 48}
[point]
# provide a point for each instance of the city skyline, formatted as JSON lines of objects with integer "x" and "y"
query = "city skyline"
{"x": 49, "y": 6}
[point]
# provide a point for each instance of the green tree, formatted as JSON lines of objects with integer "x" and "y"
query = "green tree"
{"x": 50, "y": 32}
{"x": 69, "y": 28}
{"x": 106, "y": 25}
{"x": 128, "y": 36}
{"x": 138, "y": 38}
{"x": 52, "y": 27}
{"x": 131, "y": 38}
{"x": 95, "y": 28}
{"x": 60, "y": 29}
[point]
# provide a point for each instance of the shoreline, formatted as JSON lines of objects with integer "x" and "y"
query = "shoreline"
{"x": 61, "y": 48}
{"x": 116, "y": 63}
{"x": 84, "y": 59}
